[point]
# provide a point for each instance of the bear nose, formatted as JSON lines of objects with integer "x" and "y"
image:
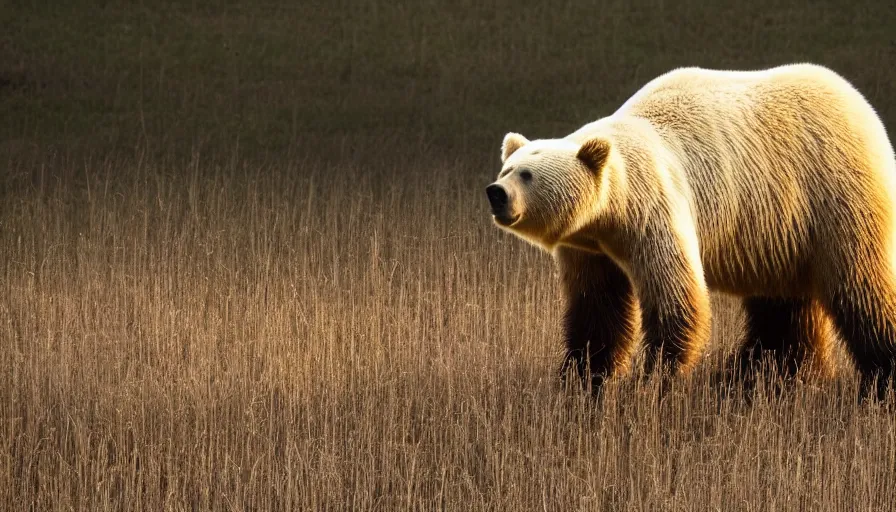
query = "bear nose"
{"x": 497, "y": 197}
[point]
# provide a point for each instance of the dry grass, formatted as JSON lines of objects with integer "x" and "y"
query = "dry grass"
{"x": 246, "y": 263}
{"x": 210, "y": 335}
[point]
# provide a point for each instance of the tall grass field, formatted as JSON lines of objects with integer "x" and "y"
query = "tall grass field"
{"x": 246, "y": 263}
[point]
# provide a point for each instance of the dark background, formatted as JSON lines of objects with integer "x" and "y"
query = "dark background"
{"x": 269, "y": 79}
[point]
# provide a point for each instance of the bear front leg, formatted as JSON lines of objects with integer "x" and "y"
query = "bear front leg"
{"x": 601, "y": 321}
{"x": 674, "y": 301}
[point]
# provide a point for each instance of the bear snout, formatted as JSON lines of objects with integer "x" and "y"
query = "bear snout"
{"x": 497, "y": 197}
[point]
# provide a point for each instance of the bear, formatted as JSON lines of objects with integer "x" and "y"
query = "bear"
{"x": 776, "y": 186}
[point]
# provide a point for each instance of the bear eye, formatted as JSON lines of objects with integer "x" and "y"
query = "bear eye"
{"x": 526, "y": 175}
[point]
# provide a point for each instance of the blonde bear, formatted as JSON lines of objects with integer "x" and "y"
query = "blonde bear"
{"x": 777, "y": 186}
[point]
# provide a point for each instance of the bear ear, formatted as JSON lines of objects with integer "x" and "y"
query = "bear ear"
{"x": 594, "y": 153}
{"x": 512, "y": 142}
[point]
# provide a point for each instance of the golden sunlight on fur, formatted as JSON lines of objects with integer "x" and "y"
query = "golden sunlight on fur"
{"x": 776, "y": 186}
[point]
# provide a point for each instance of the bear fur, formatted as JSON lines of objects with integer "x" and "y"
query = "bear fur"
{"x": 777, "y": 186}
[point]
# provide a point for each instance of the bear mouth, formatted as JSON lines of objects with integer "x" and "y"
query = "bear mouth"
{"x": 506, "y": 220}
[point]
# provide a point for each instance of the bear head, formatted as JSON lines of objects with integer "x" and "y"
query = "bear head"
{"x": 547, "y": 189}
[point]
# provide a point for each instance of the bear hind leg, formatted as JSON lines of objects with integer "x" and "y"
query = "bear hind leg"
{"x": 795, "y": 334}
{"x": 866, "y": 320}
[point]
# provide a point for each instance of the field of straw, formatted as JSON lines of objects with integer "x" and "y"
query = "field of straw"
{"x": 246, "y": 263}
{"x": 304, "y": 336}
